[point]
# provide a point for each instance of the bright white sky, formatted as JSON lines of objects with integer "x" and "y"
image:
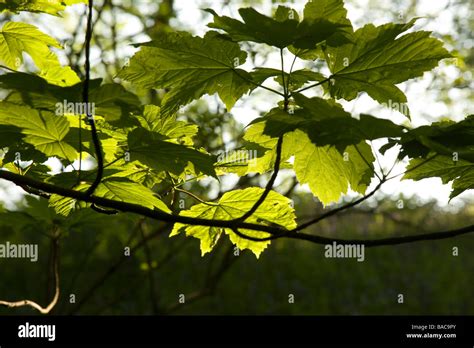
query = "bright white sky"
{"x": 421, "y": 100}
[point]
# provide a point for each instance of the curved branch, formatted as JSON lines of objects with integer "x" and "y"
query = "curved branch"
{"x": 337, "y": 210}
{"x": 270, "y": 183}
{"x": 132, "y": 208}
{"x": 385, "y": 241}
{"x": 276, "y": 231}
{"x": 85, "y": 97}
{"x": 55, "y": 299}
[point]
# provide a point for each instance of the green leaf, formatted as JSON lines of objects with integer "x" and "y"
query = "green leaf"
{"x": 460, "y": 172}
{"x": 284, "y": 13}
{"x": 114, "y": 103}
{"x": 38, "y": 93}
{"x": 110, "y": 100}
{"x": 16, "y": 38}
{"x": 280, "y": 32}
{"x": 189, "y": 67}
{"x": 326, "y": 123}
{"x": 334, "y": 12}
{"x": 59, "y": 75}
{"x": 276, "y": 209}
{"x": 252, "y": 158}
{"x": 25, "y": 151}
{"x": 327, "y": 169}
{"x": 53, "y": 7}
{"x": 122, "y": 189}
{"x": 179, "y": 131}
{"x": 256, "y": 27}
{"x": 136, "y": 173}
{"x": 64, "y": 206}
{"x": 166, "y": 156}
{"x": 328, "y": 172}
{"x": 114, "y": 188}
{"x": 258, "y": 140}
{"x": 446, "y": 138}
{"x": 42, "y": 129}
{"x": 259, "y": 75}
{"x": 377, "y": 60}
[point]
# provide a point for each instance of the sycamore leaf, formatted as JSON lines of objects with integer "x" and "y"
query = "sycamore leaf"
{"x": 27, "y": 152}
{"x": 114, "y": 103}
{"x": 322, "y": 120}
{"x": 33, "y": 90}
{"x": 42, "y": 129}
{"x": 328, "y": 172}
{"x": 162, "y": 155}
{"x": 136, "y": 173}
{"x": 115, "y": 188}
{"x": 189, "y": 66}
{"x": 253, "y": 158}
{"x": 265, "y": 146}
{"x": 122, "y": 189}
{"x": 276, "y": 209}
{"x": 332, "y": 11}
{"x": 447, "y": 138}
{"x": 377, "y": 60}
{"x": 110, "y": 100}
{"x": 178, "y": 131}
{"x": 256, "y": 27}
{"x": 284, "y": 13}
{"x": 64, "y": 206}
{"x": 59, "y": 75}
{"x": 460, "y": 172}
{"x": 259, "y": 75}
{"x": 16, "y": 38}
{"x": 282, "y": 31}
{"x": 53, "y": 7}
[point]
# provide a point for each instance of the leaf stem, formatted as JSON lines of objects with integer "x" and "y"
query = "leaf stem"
{"x": 311, "y": 86}
{"x": 258, "y": 85}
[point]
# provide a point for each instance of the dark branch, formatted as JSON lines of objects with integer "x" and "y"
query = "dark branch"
{"x": 231, "y": 224}
{"x": 385, "y": 241}
{"x": 337, "y": 210}
{"x": 85, "y": 97}
{"x": 311, "y": 86}
{"x": 270, "y": 183}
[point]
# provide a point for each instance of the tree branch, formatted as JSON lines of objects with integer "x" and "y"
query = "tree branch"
{"x": 50, "y": 306}
{"x": 270, "y": 183}
{"x": 311, "y": 86}
{"x": 276, "y": 231}
{"x": 337, "y": 210}
{"x": 385, "y": 241}
{"x": 85, "y": 97}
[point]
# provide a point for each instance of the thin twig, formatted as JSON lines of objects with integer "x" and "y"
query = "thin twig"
{"x": 270, "y": 183}
{"x": 311, "y": 86}
{"x": 50, "y": 306}
{"x": 90, "y": 117}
